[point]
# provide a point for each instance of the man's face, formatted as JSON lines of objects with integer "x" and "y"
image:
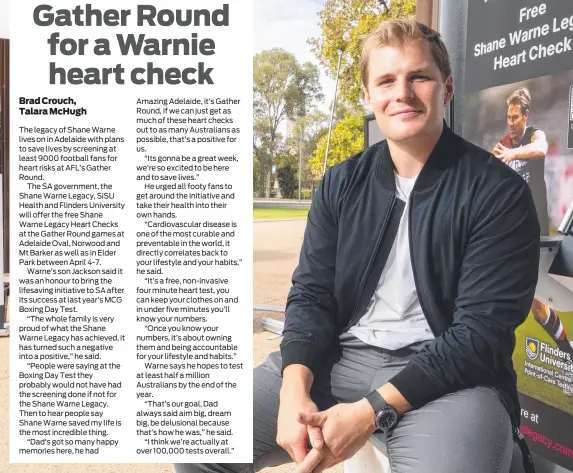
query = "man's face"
{"x": 516, "y": 121}
{"x": 406, "y": 91}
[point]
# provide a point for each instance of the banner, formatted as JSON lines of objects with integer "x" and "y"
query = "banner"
{"x": 519, "y": 105}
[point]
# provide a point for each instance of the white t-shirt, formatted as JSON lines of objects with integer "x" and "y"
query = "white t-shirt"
{"x": 394, "y": 317}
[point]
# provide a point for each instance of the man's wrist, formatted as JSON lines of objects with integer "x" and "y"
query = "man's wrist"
{"x": 366, "y": 413}
{"x": 394, "y": 398}
{"x": 294, "y": 390}
{"x": 297, "y": 380}
{"x": 385, "y": 415}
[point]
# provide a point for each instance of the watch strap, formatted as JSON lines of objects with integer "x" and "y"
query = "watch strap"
{"x": 381, "y": 412}
{"x": 376, "y": 401}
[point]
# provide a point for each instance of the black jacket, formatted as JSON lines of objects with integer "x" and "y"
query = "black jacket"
{"x": 474, "y": 244}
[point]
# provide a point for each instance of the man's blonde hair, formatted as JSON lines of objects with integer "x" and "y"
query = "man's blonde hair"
{"x": 521, "y": 97}
{"x": 400, "y": 32}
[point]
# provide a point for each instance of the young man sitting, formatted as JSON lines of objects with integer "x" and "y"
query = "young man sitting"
{"x": 419, "y": 261}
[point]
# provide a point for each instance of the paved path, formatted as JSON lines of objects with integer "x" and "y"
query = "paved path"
{"x": 277, "y": 248}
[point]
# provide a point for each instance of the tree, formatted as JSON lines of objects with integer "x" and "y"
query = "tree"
{"x": 287, "y": 181}
{"x": 313, "y": 126}
{"x": 343, "y": 24}
{"x": 346, "y": 140}
{"x": 256, "y": 173}
{"x": 282, "y": 89}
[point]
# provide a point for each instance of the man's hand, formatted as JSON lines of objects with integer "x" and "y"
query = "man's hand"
{"x": 345, "y": 428}
{"x": 507, "y": 155}
{"x": 292, "y": 435}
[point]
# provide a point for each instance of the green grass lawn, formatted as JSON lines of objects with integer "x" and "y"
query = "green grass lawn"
{"x": 278, "y": 214}
{"x": 530, "y": 386}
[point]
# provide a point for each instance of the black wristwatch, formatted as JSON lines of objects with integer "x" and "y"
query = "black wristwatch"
{"x": 386, "y": 417}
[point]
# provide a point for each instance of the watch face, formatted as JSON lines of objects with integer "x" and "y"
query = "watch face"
{"x": 386, "y": 419}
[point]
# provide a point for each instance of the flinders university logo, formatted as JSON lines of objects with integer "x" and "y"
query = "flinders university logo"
{"x": 532, "y": 348}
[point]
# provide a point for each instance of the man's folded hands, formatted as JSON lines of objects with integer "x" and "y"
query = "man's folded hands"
{"x": 345, "y": 429}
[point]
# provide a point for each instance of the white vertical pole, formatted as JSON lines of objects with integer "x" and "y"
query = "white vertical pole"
{"x": 332, "y": 112}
